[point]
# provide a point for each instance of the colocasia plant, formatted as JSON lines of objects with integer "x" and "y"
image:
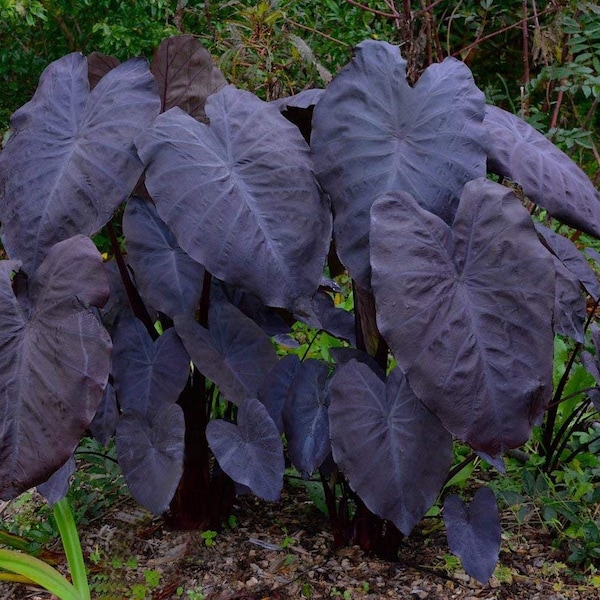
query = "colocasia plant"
{"x": 236, "y": 216}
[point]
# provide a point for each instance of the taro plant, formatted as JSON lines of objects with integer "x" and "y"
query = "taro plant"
{"x": 238, "y": 215}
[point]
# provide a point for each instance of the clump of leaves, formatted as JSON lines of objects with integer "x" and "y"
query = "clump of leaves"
{"x": 229, "y": 235}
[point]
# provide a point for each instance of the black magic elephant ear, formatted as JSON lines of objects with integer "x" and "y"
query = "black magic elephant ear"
{"x": 463, "y": 305}
{"x": 373, "y": 133}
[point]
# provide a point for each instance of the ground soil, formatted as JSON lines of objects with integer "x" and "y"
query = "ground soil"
{"x": 285, "y": 551}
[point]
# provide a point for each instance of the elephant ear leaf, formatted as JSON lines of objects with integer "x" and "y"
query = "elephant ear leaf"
{"x": 474, "y": 532}
{"x": 373, "y": 133}
{"x": 185, "y": 75}
{"x": 150, "y": 452}
{"x": 71, "y": 161}
{"x": 54, "y": 361}
{"x": 547, "y": 175}
{"x": 251, "y": 451}
{"x": 464, "y": 306}
{"x": 395, "y": 453}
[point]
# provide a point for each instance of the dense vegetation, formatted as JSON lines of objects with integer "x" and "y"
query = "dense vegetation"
{"x": 539, "y": 64}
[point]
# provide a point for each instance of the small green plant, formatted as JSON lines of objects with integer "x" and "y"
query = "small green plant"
{"x": 209, "y": 537}
{"x": 42, "y": 573}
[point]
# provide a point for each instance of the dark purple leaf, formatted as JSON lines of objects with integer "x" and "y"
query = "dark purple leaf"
{"x": 305, "y": 418}
{"x": 57, "y": 486}
{"x": 394, "y": 452}
{"x": 474, "y": 533}
{"x": 106, "y": 418}
{"x": 251, "y": 452}
{"x": 98, "y": 66}
{"x": 594, "y": 395}
{"x": 298, "y": 109}
{"x": 150, "y": 452}
{"x": 546, "y": 174}
{"x": 341, "y": 356}
{"x": 71, "y": 160}
{"x": 166, "y": 277}
{"x": 572, "y": 258}
{"x": 246, "y": 204}
{"x": 276, "y": 387}
{"x": 54, "y": 362}
{"x": 591, "y": 361}
{"x": 467, "y": 311}
{"x": 570, "y": 306}
{"x": 373, "y": 133}
{"x": 324, "y": 315}
{"x": 234, "y": 353}
{"x": 147, "y": 374}
{"x": 185, "y": 75}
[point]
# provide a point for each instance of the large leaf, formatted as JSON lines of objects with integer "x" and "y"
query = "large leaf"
{"x": 71, "y": 160}
{"x": 150, "y": 452}
{"x": 234, "y": 352}
{"x": 147, "y": 374}
{"x": 166, "y": 277}
{"x": 251, "y": 452}
{"x": 569, "y": 305}
{"x": 546, "y": 174}
{"x": 246, "y": 204}
{"x": 185, "y": 75}
{"x": 474, "y": 533}
{"x": 373, "y": 133}
{"x": 54, "y": 362}
{"x": 395, "y": 453}
{"x": 305, "y": 417}
{"x": 467, "y": 311}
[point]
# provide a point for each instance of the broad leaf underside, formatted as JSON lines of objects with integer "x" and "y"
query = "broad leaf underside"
{"x": 71, "y": 160}
{"x": 54, "y": 362}
{"x": 373, "y": 133}
{"x": 467, "y": 311}
{"x": 395, "y": 453}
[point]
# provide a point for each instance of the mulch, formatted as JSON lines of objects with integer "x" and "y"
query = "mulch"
{"x": 285, "y": 551}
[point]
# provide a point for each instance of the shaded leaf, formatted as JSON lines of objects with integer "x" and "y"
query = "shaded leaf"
{"x": 394, "y": 452}
{"x": 547, "y": 175}
{"x": 373, "y": 133}
{"x": 147, "y": 374}
{"x": 234, "y": 353}
{"x": 474, "y": 533}
{"x": 572, "y": 258}
{"x": 185, "y": 75}
{"x": 570, "y": 306}
{"x": 57, "y": 486}
{"x": 71, "y": 160}
{"x": 464, "y": 306}
{"x": 324, "y": 315}
{"x": 98, "y": 66}
{"x": 251, "y": 452}
{"x": 54, "y": 362}
{"x": 150, "y": 452}
{"x": 105, "y": 420}
{"x": 166, "y": 277}
{"x": 247, "y": 205}
{"x": 305, "y": 418}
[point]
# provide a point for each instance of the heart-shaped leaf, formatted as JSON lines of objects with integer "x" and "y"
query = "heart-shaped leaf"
{"x": 71, "y": 160}
{"x": 166, "y": 277}
{"x": 373, "y": 133}
{"x": 251, "y": 452}
{"x": 150, "y": 452}
{"x": 547, "y": 175}
{"x": 394, "y": 452}
{"x": 147, "y": 374}
{"x": 305, "y": 418}
{"x": 247, "y": 205}
{"x": 474, "y": 532}
{"x": 54, "y": 361}
{"x": 467, "y": 311}
{"x": 185, "y": 74}
{"x": 234, "y": 353}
